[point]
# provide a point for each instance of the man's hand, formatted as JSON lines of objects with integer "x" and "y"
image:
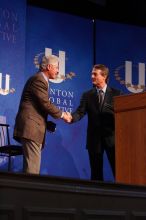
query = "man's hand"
{"x": 67, "y": 117}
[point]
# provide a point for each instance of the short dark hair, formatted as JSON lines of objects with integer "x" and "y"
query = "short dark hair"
{"x": 105, "y": 70}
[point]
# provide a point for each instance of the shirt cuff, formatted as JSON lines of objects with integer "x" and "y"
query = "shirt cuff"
{"x": 62, "y": 115}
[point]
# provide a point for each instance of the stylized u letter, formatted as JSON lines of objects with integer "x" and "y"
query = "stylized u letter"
{"x": 7, "y": 85}
{"x": 128, "y": 77}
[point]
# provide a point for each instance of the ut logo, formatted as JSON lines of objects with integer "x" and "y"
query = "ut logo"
{"x": 7, "y": 84}
{"x": 139, "y": 76}
{"x": 61, "y": 74}
{"x": 7, "y": 89}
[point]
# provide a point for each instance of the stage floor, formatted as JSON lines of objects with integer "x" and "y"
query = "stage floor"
{"x": 30, "y": 197}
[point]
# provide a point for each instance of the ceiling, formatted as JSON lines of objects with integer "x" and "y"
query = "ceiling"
{"x": 123, "y": 11}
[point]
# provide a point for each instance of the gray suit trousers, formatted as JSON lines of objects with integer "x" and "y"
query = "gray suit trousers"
{"x": 32, "y": 156}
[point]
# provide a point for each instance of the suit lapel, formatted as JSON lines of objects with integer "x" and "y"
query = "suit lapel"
{"x": 95, "y": 98}
{"x": 40, "y": 75}
{"x": 108, "y": 95}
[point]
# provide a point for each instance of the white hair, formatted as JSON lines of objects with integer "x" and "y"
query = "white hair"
{"x": 46, "y": 60}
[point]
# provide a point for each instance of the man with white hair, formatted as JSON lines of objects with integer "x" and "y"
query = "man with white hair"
{"x": 34, "y": 108}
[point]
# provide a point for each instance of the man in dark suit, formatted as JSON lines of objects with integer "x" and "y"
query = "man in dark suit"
{"x": 31, "y": 120}
{"x": 98, "y": 104}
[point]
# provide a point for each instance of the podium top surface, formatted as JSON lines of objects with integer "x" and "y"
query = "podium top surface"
{"x": 130, "y": 102}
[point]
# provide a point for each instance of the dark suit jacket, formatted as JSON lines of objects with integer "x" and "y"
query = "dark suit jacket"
{"x": 33, "y": 110}
{"x": 101, "y": 123}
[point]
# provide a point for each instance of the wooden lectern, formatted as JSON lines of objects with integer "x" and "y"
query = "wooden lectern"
{"x": 130, "y": 138}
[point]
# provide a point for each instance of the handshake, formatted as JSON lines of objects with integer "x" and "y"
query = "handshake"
{"x": 67, "y": 117}
{"x": 51, "y": 126}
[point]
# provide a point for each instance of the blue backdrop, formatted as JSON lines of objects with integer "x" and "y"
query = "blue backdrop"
{"x": 122, "y": 48}
{"x": 12, "y": 61}
{"x": 27, "y": 33}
